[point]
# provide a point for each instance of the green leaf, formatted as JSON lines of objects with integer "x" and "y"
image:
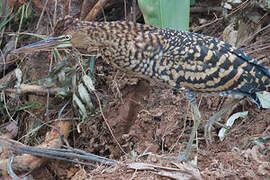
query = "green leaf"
{"x": 85, "y": 97}
{"x": 77, "y": 102}
{"x": 166, "y": 13}
{"x": 6, "y": 20}
{"x": 222, "y": 133}
{"x": 88, "y": 83}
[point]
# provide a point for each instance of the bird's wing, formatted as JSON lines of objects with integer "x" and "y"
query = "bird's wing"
{"x": 209, "y": 65}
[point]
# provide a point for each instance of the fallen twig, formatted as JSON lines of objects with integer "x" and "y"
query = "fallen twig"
{"x": 242, "y": 5}
{"x": 36, "y": 89}
{"x": 183, "y": 171}
{"x": 70, "y": 154}
{"x": 34, "y": 157}
{"x": 26, "y": 162}
{"x": 205, "y": 9}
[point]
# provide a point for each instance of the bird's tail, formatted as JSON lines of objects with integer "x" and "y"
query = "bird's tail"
{"x": 264, "y": 77}
{"x": 258, "y": 80}
{"x": 263, "y": 83}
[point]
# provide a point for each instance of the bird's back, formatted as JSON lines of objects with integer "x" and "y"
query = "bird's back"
{"x": 206, "y": 64}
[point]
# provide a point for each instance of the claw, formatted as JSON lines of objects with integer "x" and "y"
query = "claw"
{"x": 212, "y": 120}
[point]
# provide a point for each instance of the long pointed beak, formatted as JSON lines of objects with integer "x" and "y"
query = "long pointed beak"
{"x": 46, "y": 44}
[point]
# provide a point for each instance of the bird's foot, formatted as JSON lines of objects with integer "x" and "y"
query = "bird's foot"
{"x": 212, "y": 120}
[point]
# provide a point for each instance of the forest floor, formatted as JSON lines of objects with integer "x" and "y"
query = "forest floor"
{"x": 151, "y": 123}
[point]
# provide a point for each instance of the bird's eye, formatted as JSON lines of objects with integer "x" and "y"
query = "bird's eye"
{"x": 68, "y": 37}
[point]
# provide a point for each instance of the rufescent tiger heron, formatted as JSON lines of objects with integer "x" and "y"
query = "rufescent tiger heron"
{"x": 183, "y": 60}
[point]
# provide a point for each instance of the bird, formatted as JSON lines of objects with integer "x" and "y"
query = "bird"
{"x": 179, "y": 59}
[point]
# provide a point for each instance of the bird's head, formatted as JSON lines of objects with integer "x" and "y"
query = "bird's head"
{"x": 47, "y": 44}
{"x": 68, "y": 32}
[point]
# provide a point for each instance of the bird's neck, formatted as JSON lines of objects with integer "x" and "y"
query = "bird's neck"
{"x": 126, "y": 45}
{"x": 107, "y": 34}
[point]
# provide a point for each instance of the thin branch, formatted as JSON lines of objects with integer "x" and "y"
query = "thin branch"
{"x": 91, "y": 16}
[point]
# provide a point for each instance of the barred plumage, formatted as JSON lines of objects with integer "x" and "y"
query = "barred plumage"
{"x": 180, "y": 59}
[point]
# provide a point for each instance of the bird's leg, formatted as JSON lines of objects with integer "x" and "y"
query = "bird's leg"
{"x": 196, "y": 119}
{"x": 212, "y": 120}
